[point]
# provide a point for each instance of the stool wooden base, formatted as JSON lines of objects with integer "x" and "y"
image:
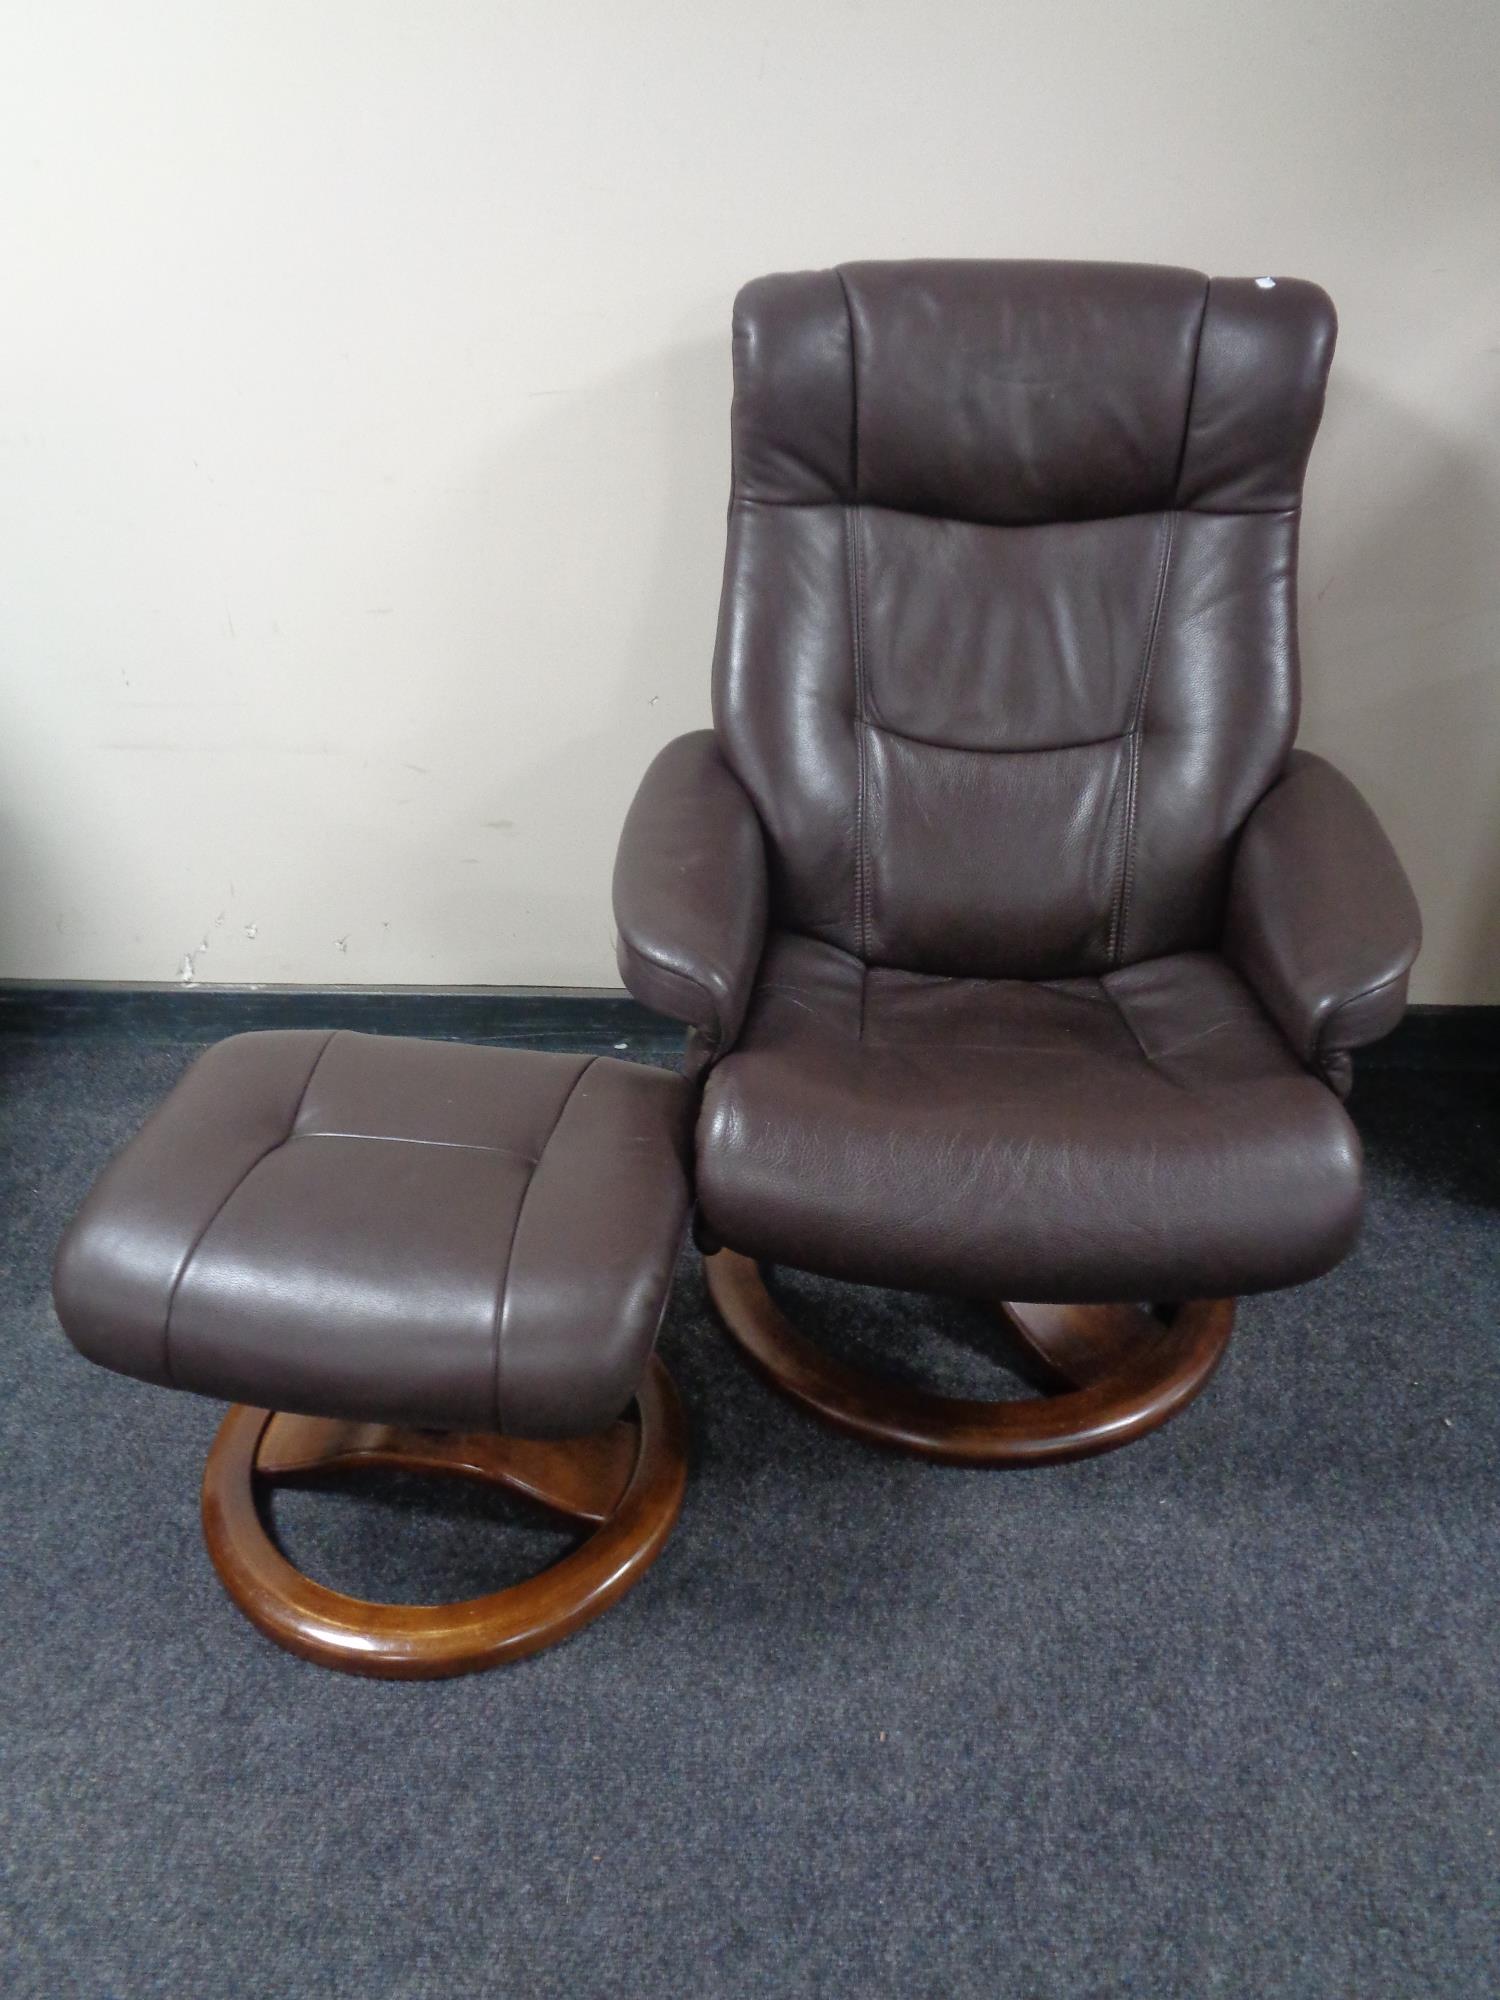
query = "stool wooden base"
{"x": 1119, "y": 1369}
{"x": 626, "y": 1483}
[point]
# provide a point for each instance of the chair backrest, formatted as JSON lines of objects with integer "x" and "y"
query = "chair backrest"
{"x": 1008, "y": 643}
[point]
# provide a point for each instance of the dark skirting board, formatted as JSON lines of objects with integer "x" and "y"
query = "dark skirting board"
{"x": 1446, "y": 1038}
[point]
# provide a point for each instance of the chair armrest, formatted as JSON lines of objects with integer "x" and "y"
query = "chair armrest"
{"x": 690, "y": 891}
{"x": 1322, "y": 921}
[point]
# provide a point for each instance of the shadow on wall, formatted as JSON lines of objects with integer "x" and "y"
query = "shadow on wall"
{"x": 648, "y": 448}
{"x": 1401, "y": 657}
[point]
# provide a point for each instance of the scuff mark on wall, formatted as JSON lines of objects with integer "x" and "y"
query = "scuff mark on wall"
{"x": 187, "y": 972}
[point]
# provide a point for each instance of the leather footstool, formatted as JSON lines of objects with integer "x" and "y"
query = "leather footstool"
{"x": 420, "y": 1254}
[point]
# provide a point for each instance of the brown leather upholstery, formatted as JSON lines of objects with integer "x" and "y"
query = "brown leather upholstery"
{"x": 1321, "y": 918}
{"x": 402, "y": 1231}
{"x": 1144, "y": 1135}
{"x": 693, "y": 948}
{"x": 1006, "y": 681}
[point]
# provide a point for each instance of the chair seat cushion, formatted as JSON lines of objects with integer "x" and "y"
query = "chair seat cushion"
{"x": 400, "y": 1231}
{"x": 1145, "y": 1135}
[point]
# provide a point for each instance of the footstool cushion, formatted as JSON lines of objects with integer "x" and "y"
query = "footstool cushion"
{"x": 400, "y": 1231}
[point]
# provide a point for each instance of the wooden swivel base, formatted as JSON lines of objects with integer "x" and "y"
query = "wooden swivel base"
{"x": 626, "y": 1482}
{"x": 1119, "y": 1371}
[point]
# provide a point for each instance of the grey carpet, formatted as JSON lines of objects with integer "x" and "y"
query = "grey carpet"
{"x": 1215, "y": 1715}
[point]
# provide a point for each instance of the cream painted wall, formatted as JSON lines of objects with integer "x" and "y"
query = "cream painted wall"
{"x": 363, "y": 450}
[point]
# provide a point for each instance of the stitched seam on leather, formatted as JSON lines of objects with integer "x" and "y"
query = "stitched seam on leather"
{"x": 1028, "y": 527}
{"x": 1000, "y": 749}
{"x": 1115, "y": 945}
{"x": 404, "y": 1139}
{"x": 856, "y": 614}
{"x": 1187, "y": 414}
{"x": 864, "y": 741}
{"x": 502, "y": 1290}
{"x": 260, "y": 1158}
{"x": 853, "y": 393}
{"x": 854, "y": 542}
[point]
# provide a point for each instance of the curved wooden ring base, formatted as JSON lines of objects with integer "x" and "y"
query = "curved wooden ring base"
{"x": 1121, "y": 1371}
{"x": 627, "y": 1482}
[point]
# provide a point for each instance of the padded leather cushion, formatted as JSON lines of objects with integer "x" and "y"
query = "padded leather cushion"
{"x": 371, "y": 1227}
{"x": 1007, "y": 646}
{"x": 1146, "y": 1135}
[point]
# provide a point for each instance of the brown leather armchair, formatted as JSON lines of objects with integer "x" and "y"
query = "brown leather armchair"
{"x": 1022, "y": 955}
